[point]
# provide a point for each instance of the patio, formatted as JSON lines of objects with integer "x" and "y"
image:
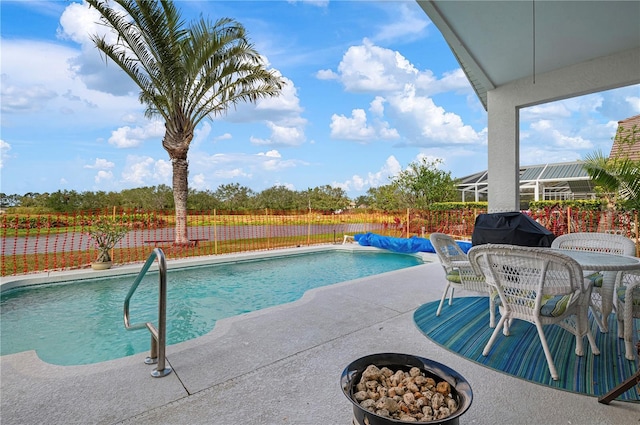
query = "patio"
{"x": 282, "y": 366}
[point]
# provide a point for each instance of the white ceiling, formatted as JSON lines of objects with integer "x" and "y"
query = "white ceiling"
{"x": 494, "y": 40}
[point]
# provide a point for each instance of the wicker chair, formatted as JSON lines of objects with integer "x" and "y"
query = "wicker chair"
{"x": 602, "y": 296}
{"x": 628, "y": 294}
{"x": 459, "y": 273}
{"x": 539, "y": 286}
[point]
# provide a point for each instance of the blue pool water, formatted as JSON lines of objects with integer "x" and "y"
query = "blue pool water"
{"x": 81, "y": 322}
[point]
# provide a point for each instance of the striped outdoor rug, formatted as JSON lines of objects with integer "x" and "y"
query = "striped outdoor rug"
{"x": 521, "y": 354}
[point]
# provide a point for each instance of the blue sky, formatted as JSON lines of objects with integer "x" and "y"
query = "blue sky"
{"x": 371, "y": 87}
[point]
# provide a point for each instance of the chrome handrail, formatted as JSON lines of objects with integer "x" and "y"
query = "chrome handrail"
{"x": 159, "y": 334}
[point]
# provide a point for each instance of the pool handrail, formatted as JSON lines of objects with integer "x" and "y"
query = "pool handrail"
{"x": 159, "y": 334}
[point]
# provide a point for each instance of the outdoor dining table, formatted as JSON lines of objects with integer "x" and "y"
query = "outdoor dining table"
{"x": 609, "y": 265}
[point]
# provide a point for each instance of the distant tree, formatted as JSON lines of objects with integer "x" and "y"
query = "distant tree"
{"x": 362, "y": 201}
{"x": 423, "y": 183}
{"x": 280, "y": 198}
{"x": 234, "y": 197}
{"x": 203, "y": 201}
{"x": 147, "y": 198}
{"x": 64, "y": 201}
{"x": 386, "y": 198}
{"x": 34, "y": 200}
{"x": 327, "y": 198}
{"x": 185, "y": 74}
{"x": 93, "y": 201}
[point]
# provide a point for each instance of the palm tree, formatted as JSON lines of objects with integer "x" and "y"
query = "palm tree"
{"x": 185, "y": 73}
{"x": 620, "y": 177}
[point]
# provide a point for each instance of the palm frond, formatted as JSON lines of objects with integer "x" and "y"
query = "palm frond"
{"x": 185, "y": 73}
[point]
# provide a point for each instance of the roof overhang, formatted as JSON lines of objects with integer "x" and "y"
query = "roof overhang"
{"x": 499, "y": 42}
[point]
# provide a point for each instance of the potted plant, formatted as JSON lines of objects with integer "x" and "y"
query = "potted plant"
{"x": 106, "y": 232}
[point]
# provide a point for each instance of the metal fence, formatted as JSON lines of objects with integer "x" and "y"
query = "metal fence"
{"x": 44, "y": 242}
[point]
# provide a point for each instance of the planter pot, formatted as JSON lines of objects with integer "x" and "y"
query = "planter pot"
{"x": 460, "y": 388}
{"x": 103, "y": 265}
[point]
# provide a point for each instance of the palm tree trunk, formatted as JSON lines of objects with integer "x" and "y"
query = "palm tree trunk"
{"x": 180, "y": 191}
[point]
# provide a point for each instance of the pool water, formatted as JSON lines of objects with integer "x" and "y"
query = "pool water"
{"x": 81, "y": 322}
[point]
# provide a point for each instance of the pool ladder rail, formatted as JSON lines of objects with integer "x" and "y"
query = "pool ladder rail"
{"x": 159, "y": 334}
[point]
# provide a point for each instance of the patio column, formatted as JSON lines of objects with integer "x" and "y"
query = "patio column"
{"x": 504, "y": 152}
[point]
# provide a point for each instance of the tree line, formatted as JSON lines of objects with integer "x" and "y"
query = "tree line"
{"x": 419, "y": 186}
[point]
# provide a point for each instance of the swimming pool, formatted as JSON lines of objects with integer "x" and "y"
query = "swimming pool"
{"x": 80, "y": 322}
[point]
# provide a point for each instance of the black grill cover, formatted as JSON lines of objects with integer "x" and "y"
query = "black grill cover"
{"x": 514, "y": 228}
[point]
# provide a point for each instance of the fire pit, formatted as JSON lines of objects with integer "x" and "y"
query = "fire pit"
{"x": 459, "y": 388}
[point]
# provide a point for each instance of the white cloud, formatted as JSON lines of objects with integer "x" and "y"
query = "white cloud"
{"x": 271, "y": 153}
{"x": 21, "y": 98}
{"x": 199, "y": 182}
{"x": 327, "y": 74}
{"x": 634, "y": 103}
{"x": 402, "y": 103}
{"x": 546, "y": 131}
{"x": 4, "y": 152}
{"x": 127, "y": 137}
{"x": 146, "y": 171}
{"x": 200, "y": 134}
{"x": 78, "y": 22}
{"x": 281, "y": 136}
{"x": 369, "y": 68}
{"x": 427, "y": 124}
{"x": 356, "y": 128}
{"x": 317, "y": 3}
{"x": 383, "y": 176}
{"x": 377, "y": 106}
{"x": 287, "y": 101}
{"x": 555, "y": 109}
{"x": 455, "y": 80}
{"x": 103, "y": 176}
{"x": 101, "y": 164}
{"x": 56, "y": 96}
{"x": 575, "y": 142}
{"x": 250, "y": 169}
{"x": 405, "y": 24}
{"x": 225, "y": 136}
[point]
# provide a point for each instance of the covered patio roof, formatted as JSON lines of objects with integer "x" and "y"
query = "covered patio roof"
{"x": 526, "y": 52}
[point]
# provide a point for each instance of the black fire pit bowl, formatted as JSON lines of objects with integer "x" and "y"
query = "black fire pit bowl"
{"x": 460, "y": 388}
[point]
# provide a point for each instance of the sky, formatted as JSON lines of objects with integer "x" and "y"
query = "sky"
{"x": 371, "y": 86}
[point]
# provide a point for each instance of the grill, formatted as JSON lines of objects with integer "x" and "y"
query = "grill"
{"x": 513, "y": 228}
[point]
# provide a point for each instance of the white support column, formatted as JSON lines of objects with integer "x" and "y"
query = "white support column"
{"x": 504, "y": 152}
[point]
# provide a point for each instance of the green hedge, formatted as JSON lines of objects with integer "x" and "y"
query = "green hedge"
{"x": 452, "y": 206}
{"x": 580, "y": 205}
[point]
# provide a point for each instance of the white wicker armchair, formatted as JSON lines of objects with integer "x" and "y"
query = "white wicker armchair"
{"x": 628, "y": 294}
{"x": 459, "y": 273}
{"x": 539, "y": 286}
{"x": 603, "y": 282}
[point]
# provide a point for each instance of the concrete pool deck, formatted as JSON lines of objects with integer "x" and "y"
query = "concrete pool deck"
{"x": 282, "y": 365}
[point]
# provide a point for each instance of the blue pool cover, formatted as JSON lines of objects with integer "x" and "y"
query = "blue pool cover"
{"x": 405, "y": 245}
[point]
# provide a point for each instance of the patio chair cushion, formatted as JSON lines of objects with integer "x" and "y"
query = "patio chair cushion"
{"x": 596, "y": 279}
{"x": 621, "y": 292}
{"x": 552, "y": 306}
{"x": 454, "y": 276}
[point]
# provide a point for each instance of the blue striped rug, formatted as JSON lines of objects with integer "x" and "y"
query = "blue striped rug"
{"x": 521, "y": 354}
